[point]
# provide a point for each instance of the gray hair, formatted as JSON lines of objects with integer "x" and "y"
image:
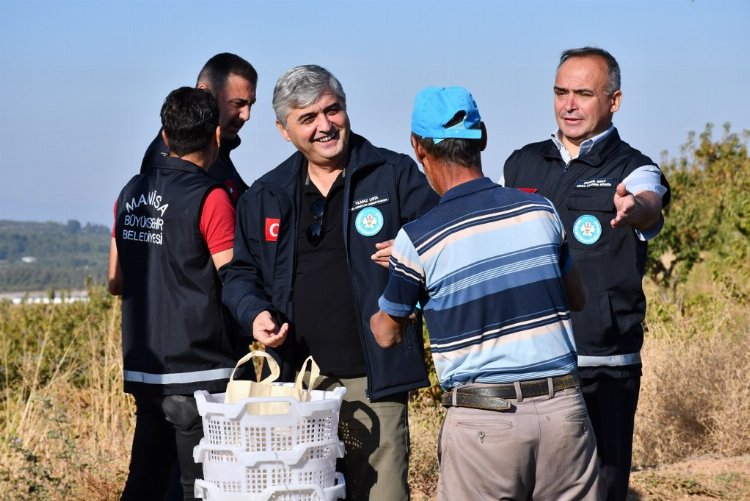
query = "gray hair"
{"x": 613, "y": 83}
{"x": 302, "y": 86}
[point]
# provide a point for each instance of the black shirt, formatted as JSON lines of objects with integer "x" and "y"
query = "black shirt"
{"x": 325, "y": 314}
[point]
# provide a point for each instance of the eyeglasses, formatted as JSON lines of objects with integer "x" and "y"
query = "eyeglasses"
{"x": 315, "y": 230}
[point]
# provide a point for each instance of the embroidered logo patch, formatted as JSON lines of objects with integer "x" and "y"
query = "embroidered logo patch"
{"x": 272, "y": 229}
{"x": 369, "y": 201}
{"x": 587, "y": 229}
{"x": 369, "y": 221}
{"x": 605, "y": 182}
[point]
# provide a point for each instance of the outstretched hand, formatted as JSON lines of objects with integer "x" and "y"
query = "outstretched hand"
{"x": 267, "y": 332}
{"x": 626, "y": 206}
{"x": 639, "y": 211}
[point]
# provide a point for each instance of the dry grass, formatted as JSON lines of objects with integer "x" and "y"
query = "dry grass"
{"x": 425, "y": 418}
{"x": 695, "y": 394}
{"x": 66, "y": 425}
{"x": 697, "y": 479}
{"x": 695, "y": 401}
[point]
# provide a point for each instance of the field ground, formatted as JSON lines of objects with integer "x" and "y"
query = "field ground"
{"x": 700, "y": 478}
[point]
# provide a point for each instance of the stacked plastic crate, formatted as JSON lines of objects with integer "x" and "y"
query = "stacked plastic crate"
{"x": 282, "y": 456}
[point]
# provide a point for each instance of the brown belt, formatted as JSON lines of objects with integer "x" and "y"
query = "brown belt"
{"x": 495, "y": 397}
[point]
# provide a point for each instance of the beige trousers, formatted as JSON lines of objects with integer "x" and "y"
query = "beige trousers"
{"x": 376, "y": 439}
{"x": 542, "y": 448}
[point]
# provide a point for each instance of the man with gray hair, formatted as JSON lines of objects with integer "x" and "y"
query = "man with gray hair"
{"x": 311, "y": 257}
{"x": 609, "y": 196}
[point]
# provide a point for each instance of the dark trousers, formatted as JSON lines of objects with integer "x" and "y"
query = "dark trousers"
{"x": 611, "y": 404}
{"x": 166, "y": 428}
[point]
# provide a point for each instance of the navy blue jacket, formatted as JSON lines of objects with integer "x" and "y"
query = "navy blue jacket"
{"x": 609, "y": 330}
{"x": 261, "y": 274}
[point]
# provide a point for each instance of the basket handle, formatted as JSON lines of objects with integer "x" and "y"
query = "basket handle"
{"x": 314, "y": 373}
{"x": 272, "y": 365}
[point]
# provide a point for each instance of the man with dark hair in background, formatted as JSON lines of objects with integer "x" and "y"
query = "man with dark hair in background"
{"x": 310, "y": 260}
{"x": 609, "y": 196}
{"x": 233, "y": 82}
{"x": 174, "y": 229}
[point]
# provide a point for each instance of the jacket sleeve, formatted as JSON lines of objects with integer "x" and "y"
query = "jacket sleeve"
{"x": 416, "y": 197}
{"x": 244, "y": 294}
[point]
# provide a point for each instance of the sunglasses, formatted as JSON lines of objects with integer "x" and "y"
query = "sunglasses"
{"x": 315, "y": 230}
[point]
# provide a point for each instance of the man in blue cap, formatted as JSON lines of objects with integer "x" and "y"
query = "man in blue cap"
{"x": 491, "y": 269}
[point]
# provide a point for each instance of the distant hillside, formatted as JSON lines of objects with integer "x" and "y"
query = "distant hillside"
{"x": 43, "y": 256}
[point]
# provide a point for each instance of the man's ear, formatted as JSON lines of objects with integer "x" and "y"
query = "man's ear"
{"x": 282, "y": 130}
{"x": 484, "y": 137}
{"x": 616, "y": 100}
{"x": 218, "y": 136}
{"x": 164, "y": 138}
{"x": 419, "y": 151}
{"x": 202, "y": 85}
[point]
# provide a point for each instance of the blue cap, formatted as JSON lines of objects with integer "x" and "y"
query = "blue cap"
{"x": 434, "y": 107}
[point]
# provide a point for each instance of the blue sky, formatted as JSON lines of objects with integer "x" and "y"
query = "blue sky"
{"x": 81, "y": 82}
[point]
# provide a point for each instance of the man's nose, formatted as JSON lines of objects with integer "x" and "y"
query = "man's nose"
{"x": 322, "y": 122}
{"x": 570, "y": 102}
{"x": 245, "y": 113}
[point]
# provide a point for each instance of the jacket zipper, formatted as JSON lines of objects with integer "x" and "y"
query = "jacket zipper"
{"x": 358, "y": 310}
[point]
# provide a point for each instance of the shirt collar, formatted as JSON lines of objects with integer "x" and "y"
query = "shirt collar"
{"x": 467, "y": 188}
{"x": 585, "y": 147}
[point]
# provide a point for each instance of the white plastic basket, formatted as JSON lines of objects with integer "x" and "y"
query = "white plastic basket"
{"x": 231, "y": 426}
{"x": 280, "y": 456}
{"x": 249, "y": 474}
{"x": 206, "y": 453}
{"x": 209, "y": 492}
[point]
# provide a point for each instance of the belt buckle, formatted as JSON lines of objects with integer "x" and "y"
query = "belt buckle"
{"x": 501, "y": 405}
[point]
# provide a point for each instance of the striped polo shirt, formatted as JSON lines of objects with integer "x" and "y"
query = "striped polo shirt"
{"x": 486, "y": 267}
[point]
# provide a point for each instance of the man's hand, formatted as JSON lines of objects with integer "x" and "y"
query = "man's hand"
{"x": 267, "y": 332}
{"x": 387, "y": 330}
{"x": 639, "y": 211}
{"x": 383, "y": 254}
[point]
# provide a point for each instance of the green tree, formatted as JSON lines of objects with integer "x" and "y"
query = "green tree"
{"x": 708, "y": 218}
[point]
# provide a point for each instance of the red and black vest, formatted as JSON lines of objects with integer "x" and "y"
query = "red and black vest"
{"x": 177, "y": 336}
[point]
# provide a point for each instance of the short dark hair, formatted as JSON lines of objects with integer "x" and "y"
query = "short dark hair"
{"x": 189, "y": 117}
{"x": 216, "y": 71}
{"x": 464, "y": 152}
{"x": 613, "y": 80}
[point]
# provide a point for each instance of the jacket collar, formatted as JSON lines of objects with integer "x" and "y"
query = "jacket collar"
{"x": 467, "y": 188}
{"x": 585, "y": 146}
{"x": 175, "y": 163}
{"x": 596, "y": 155}
{"x": 362, "y": 154}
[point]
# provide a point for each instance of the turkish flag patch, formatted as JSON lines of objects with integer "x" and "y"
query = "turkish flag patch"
{"x": 529, "y": 190}
{"x": 272, "y": 229}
